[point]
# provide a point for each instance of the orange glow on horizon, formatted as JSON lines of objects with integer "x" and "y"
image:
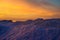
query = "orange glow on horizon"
{"x": 14, "y": 10}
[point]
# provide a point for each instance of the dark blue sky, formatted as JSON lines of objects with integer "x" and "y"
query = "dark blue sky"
{"x": 55, "y": 2}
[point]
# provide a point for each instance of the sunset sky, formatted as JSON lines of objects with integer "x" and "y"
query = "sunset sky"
{"x": 29, "y": 9}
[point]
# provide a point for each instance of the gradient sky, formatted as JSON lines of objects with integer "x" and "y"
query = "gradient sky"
{"x": 29, "y": 9}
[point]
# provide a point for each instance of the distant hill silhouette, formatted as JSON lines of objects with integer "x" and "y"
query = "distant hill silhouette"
{"x": 38, "y": 29}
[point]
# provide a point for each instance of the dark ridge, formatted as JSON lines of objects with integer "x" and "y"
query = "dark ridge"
{"x": 57, "y": 19}
{"x": 28, "y": 22}
{"x": 5, "y": 20}
{"x": 38, "y": 19}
